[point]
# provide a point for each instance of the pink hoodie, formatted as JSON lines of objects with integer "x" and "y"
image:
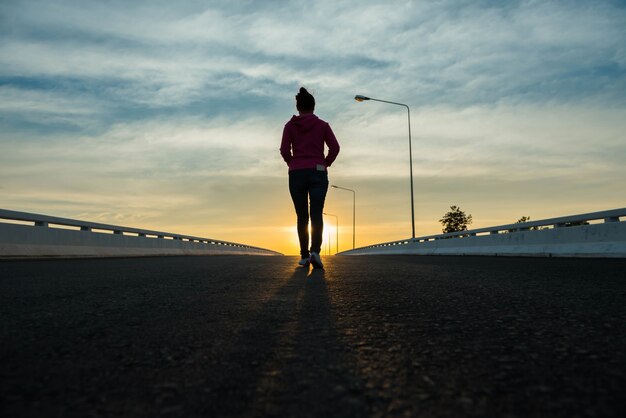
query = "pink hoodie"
{"x": 303, "y": 142}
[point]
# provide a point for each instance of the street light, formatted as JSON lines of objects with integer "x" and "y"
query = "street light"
{"x": 360, "y": 98}
{"x": 336, "y": 229}
{"x": 353, "y": 208}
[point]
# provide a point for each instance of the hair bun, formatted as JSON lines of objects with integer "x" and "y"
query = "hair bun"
{"x": 305, "y": 100}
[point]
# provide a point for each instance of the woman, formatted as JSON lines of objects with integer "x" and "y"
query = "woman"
{"x": 302, "y": 149}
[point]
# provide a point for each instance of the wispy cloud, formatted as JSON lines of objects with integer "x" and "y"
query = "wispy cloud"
{"x": 442, "y": 52}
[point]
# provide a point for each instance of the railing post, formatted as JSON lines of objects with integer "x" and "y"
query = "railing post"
{"x": 41, "y": 223}
{"x": 85, "y": 228}
{"x": 611, "y": 219}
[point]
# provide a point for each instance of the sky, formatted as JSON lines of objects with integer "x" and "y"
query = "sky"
{"x": 168, "y": 115}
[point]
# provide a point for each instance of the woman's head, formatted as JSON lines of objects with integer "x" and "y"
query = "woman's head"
{"x": 305, "y": 102}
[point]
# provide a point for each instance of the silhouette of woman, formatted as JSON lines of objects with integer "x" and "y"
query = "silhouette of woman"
{"x": 302, "y": 148}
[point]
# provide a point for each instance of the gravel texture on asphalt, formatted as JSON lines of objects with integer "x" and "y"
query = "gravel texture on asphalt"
{"x": 366, "y": 337}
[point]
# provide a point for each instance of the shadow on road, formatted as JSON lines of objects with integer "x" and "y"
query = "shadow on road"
{"x": 291, "y": 361}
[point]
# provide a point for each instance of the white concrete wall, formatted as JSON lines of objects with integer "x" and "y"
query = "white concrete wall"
{"x": 25, "y": 241}
{"x": 596, "y": 240}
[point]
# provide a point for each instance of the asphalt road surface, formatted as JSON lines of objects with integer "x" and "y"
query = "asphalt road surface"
{"x": 367, "y": 336}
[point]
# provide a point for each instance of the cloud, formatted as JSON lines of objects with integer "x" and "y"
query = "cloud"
{"x": 512, "y": 142}
{"x": 432, "y": 53}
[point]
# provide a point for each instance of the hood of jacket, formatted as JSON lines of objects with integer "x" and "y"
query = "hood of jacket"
{"x": 304, "y": 123}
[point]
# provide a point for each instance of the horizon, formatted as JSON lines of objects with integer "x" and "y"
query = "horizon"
{"x": 169, "y": 117}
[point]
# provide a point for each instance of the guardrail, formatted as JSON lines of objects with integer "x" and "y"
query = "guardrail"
{"x": 35, "y": 235}
{"x": 568, "y": 236}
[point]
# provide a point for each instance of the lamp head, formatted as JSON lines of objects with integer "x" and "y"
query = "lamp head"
{"x": 333, "y": 186}
{"x": 360, "y": 98}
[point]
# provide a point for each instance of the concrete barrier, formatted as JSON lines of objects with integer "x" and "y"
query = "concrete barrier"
{"x": 569, "y": 236}
{"x": 45, "y": 236}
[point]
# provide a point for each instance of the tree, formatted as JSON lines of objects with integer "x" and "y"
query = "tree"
{"x": 455, "y": 220}
{"x": 521, "y": 221}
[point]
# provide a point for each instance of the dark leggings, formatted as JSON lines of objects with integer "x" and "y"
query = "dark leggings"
{"x": 305, "y": 185}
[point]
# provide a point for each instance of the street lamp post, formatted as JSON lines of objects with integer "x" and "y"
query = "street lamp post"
{"x": 360, "y": 98}
{"x": 336, "y": 230}
{"x": 353, "y": 209}
{"x": 329, "y": 244}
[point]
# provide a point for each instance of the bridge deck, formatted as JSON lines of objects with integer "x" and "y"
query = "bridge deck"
{"x": 369, "y": 336}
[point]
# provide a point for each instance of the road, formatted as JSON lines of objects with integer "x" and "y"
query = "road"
{"x": 366, "y": 337}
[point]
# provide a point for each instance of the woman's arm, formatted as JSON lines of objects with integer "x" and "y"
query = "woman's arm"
{"x": 285, "y": 146}
{"x": 333, "y": 146}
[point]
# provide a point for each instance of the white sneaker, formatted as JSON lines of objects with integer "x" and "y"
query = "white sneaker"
{"x": 316, "y": 261}
{"x": 304, "y": 262}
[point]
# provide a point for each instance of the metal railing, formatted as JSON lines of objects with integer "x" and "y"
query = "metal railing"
{"x": 46, "y": 221}
{"x": 606, "y": 216}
